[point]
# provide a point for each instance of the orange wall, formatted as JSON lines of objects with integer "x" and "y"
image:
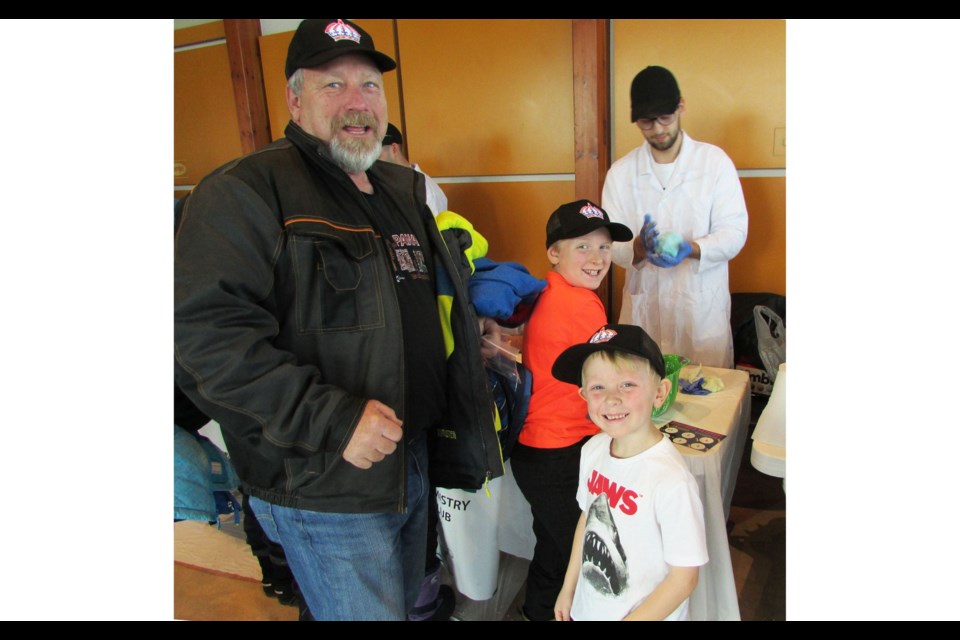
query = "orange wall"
{"x": 511, "y": 114}
{"x": 206, "y": 132}
{"x": 512, "y": 216}
{"x": 206, "y": 32}
{"x": 761, "y": 264}
{"x": 488, "y": 97}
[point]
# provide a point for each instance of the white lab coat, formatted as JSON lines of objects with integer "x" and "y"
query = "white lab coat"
{"x": 436, "y": 198}
{"x": 686, "y": 308}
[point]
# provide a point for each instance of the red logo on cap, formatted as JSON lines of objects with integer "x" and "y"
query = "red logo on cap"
{"x": 604, "y": 335}
{"x": 591, "y": 211}
{"x": 340, "y": 31}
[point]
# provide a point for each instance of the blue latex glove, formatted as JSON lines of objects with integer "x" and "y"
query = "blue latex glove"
{"x": 666, "y": 261}
{"x": 693, "y": 387}
{"x": 649, "y": 234}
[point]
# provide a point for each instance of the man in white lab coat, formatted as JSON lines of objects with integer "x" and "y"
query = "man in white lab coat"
{"x": 670, "y": 185}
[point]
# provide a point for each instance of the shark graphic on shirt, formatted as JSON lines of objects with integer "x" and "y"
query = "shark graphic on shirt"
{"x": 604, "y": 565}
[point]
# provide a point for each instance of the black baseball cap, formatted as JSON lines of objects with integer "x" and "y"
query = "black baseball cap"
{"x": 317, "y": 42}
{"x": 654, "y": 92}
{"x": 579, "y": 218}
{"x": 393, "y": 135}
{"x": 626, "y": 338}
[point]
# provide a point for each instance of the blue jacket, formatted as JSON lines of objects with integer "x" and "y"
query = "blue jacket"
{"x": 203, "y": 479}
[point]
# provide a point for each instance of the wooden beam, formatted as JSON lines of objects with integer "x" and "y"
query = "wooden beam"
{"x": 243, "y": 49}
{"x": 591, "y": 119}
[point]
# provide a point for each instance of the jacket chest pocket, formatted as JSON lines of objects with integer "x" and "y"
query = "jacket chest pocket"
{"x": 338, "y": 281}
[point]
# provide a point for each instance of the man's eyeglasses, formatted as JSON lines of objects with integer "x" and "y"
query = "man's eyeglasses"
{"x": 665, "y": 121}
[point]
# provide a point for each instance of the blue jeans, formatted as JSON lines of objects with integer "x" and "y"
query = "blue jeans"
{"x": 357, "y": 566}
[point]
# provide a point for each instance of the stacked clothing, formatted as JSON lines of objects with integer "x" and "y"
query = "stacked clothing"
{"x": 506, "y": 292}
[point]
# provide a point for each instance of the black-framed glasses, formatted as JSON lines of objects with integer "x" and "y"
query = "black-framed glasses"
{"x": 665, "y": 121}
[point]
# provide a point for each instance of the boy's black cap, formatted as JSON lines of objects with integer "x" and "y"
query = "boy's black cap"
{"x": 579, "y": 218}
{"x": 626, "y": 338}
{"x": 393, "y": 135}
{"x": 317, "y": 42}
{"x": 653, "y": 92}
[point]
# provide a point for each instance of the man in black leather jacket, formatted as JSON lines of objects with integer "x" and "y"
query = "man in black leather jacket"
{"x": 307, "y": 325}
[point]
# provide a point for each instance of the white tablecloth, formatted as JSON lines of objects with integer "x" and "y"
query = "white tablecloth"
{"x": 726, "y": 412}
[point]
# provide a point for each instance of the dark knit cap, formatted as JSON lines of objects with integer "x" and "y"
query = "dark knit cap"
{"x": 653, "y": 92}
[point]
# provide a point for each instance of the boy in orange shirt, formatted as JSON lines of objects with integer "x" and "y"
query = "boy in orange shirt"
{"x": 546, "y": 459}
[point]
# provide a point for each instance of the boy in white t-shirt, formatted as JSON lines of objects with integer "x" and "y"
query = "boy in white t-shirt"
{"x": 640, "y": 542}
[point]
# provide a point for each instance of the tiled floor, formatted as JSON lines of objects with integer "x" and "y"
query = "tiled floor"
{"x": 757, "y": 535}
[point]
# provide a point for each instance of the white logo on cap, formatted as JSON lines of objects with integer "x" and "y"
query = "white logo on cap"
{"x": 340, "y": 31}
{"x": 604, "y": 335}
{"x": 591, "y": 211}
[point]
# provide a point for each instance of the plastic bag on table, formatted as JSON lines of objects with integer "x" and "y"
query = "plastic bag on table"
{"x": 504, "y": 360}
{"x": 743, "y": 324}
{"x": 771, "y": 339}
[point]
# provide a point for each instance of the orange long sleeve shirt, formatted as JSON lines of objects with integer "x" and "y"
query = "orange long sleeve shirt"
{"x": 563, "y": 316}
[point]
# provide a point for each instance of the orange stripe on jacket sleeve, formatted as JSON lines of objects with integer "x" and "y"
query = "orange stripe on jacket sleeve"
{"x": 287, "y": 223}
